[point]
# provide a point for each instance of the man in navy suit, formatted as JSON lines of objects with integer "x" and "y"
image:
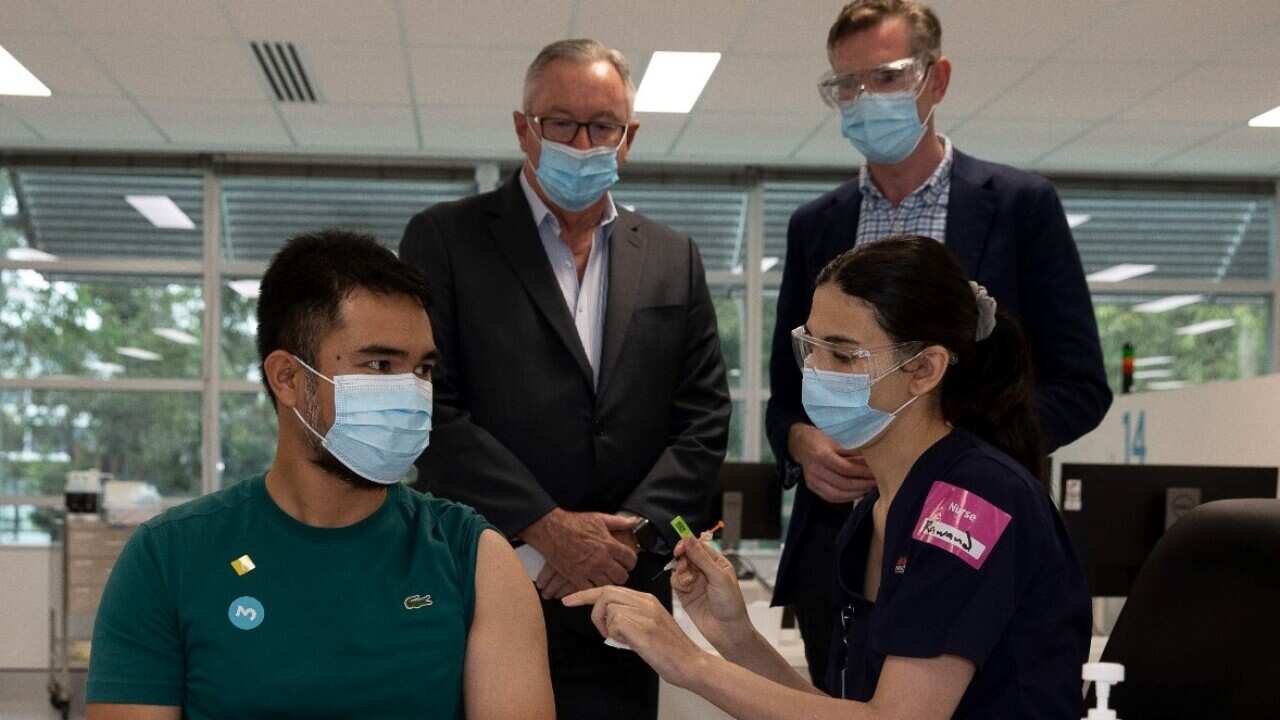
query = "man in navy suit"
{"x": 1006, "y": 226}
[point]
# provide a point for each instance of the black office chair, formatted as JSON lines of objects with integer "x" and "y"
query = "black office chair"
{"x": 1200, "y": 633}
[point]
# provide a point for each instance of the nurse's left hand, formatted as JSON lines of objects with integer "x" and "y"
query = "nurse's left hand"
{"x": 638, "y": 620}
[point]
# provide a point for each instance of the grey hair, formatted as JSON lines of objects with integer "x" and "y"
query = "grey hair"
{"x": 577, "y": 50}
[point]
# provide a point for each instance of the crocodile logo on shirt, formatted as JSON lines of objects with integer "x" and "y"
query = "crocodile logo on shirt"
{"x": 413, "y": 602}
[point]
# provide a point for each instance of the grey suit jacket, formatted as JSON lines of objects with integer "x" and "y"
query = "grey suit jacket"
{"x": 519, "y": 429}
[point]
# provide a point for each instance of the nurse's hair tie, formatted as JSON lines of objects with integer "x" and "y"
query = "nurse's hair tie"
{"x": 986, "y": 311}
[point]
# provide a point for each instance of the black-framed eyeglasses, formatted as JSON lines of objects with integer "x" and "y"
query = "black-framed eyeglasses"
{"x": 564, "y": 130}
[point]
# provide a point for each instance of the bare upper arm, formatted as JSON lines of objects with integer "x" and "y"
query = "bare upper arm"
{"x": 921, "y": 688}
{"x": 112, "y": 711}
{"x": 506, "y": 673}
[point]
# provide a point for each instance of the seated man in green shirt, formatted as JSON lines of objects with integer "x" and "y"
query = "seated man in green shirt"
{"x": 325, "y": 588}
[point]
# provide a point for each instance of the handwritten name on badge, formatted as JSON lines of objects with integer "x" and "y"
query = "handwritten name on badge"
{"x": 960, "y": 522}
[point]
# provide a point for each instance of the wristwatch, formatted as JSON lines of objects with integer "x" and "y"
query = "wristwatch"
{"x": 792, "y": 473}
{"x": 647, "y": 536}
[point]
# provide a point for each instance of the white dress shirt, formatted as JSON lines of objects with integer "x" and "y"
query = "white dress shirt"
{"x": 586, "y": 299}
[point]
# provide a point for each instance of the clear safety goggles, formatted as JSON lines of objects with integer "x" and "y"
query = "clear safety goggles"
{"x": 871, "y": 363}
{"x": 905, "y": 75}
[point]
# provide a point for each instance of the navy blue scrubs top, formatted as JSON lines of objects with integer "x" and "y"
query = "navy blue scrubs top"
{"x": 977, "y": 564}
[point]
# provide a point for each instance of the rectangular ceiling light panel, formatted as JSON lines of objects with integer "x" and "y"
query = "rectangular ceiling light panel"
{"x": 161, "y": 211}
{"x": 674, "y": 80}
{"x": 1121, "y": 272}
{"x": 16, "y": 79}
{"x": 1165, "y": 304}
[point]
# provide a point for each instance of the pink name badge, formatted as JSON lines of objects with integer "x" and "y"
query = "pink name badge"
{"x": 961, "y": 523}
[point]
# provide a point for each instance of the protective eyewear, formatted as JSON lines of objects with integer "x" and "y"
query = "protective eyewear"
{"x": 814, "y": 354}
{"x": 905, "y": 75}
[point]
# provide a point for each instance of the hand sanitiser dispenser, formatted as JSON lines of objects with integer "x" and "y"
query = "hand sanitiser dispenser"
{"x": 1103, "y": 675}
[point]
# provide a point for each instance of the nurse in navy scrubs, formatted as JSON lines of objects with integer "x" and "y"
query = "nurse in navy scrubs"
{"x": 962, "y": 596}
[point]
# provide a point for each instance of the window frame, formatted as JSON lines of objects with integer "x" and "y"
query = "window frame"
{"x": 755, "y": 279}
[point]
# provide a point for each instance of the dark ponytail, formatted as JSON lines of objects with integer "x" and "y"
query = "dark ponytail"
{"x": 920, "y": 292}
{"x": 991, "y": 394}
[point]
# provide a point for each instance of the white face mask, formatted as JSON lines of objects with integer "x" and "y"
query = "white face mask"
{"x": 381, "y": 424}
{"x": 839, "y": 404}
{"x": 575, "y": 179}
{"x": 887, "y": 128}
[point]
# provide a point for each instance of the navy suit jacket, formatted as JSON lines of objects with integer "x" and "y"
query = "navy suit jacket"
{"x": 1010, "y": 233}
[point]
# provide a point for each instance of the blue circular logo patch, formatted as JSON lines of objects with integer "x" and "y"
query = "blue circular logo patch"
{"x": 246, "y": 612}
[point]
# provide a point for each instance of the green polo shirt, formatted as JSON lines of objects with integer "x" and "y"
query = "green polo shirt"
{"x": 228, "y": 607}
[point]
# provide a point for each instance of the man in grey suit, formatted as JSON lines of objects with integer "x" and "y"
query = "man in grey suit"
{"x": 581, "y": 399}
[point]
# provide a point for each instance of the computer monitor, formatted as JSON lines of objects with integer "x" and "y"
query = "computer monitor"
{"x": 1115, "y": 514}
{"x": 749, "y": 502}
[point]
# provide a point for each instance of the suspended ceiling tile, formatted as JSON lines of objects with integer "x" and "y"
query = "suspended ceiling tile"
{"x": 658, "y": 131}
{"x": 77, "y": 121}
{"x": 825, "y": 146}
{"x": 706, "y": 25}
{"x": 1240, "y": 151}
{"x": 192, "y": 70}
{"x": 787, "y": 27}
{"x": 219, "y": 123}
{"x": 1152, "y": 31}
{"x": 28, "y": 17}
{"x": 357, "y": 72}
{"x": 151, "y": 19}
{"x": 1213, "y": 93}
{"x": 749, "y": 83}
{"x": 352, "y": 128}
{"x": 60, "y": 62}
{"x": 495, "y": 24}
{"x": 991, "y": 29}
{"x": 730, "y": 135}
{"x": 1014, "y": 143}
{"x": 14, "y": 130}
{"x": 324, "y": 21}
{"x": 1256, "y": 45}
{"x": 975, "y": 83}
{"x": 462, "y": 131}
{"x": 469, "y": 76}
{"x": 1081, "y": 90}
{"x": 1127, "y": 145}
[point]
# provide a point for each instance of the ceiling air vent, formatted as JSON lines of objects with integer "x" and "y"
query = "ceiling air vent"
{"x": 284, "y": 71}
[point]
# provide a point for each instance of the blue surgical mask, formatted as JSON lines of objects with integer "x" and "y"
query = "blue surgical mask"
{"x": 885, "y": 128}
{"x": 575, "y": 179}
{"x": 381, "y": 423}
{"x": 839, "y": 404}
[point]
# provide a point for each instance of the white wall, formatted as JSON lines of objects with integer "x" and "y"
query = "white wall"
{"x": 24, "y": 607}
{"x": 1224, "y": 423}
